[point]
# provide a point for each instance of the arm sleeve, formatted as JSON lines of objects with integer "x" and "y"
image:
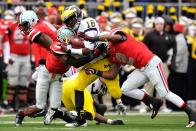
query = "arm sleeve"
{"x": 6, "y": 49}
{"x": 33, "y": 34}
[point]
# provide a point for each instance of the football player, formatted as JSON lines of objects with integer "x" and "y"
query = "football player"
{"x": 42, "y": 33}
{"x": 124, "y": 49}
{"x": 89, "y": 113}
{"x": 72, "y": 17}
{"x": 48, "y": 73}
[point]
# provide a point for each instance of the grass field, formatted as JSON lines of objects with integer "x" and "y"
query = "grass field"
{"x": 133, "y": 122}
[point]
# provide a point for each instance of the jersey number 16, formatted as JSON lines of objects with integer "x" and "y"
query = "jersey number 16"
{"x": 91, "y": 24}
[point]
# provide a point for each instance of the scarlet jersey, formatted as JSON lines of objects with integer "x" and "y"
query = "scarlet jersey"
{"x": 53, "y": 64}
{"x": 9, "y": 23}
{"x": 130, "y": 51}
{"x": 19, "y": 43}
{"x": 3, "y": 38}
{"x": 43, "y": 27}
{"x": 39, "y": 53}
{"x": 1, "y": 21}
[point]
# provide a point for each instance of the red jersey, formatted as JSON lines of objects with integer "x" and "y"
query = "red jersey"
{"x": 53, "y": 64}
{"x": 3, "y": 38}
{"x": 129, "y": 52}
{"x": 9, "y": 23}
{"x": 39, "y": 53}
{"x": 19, "y": 43}
{"x": 42, "y": 27}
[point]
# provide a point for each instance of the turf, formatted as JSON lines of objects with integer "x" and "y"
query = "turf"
{"x": 133, "y": 122}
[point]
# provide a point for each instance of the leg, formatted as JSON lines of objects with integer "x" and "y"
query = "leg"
{"x": 13, "y": 81}
{"x": 41, "y": 96}
{"x": 136, "y": 79}
{"x": 55, "y": 100}
{"x": 158, "y": 79}
{"x": 24, "y": 75}
{"x": 83, "y": 80}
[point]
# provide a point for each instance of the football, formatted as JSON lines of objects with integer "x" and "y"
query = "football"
{"x": 77, "y": 43}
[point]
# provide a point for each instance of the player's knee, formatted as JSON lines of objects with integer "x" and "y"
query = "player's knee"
{"x": 125, "y": 90}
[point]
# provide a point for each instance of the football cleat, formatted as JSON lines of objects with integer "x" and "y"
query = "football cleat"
{"x": 19, "y": 119}
{"x": 155, "y": 106}
{"x": 76, "y": 124}
{"x": 192, "y": 119}
{"x": 49, "y": 117}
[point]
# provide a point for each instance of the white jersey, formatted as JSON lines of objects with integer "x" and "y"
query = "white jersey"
{"x": 91, "y": 28}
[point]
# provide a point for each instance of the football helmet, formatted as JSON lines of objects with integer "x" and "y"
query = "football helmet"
{"x": 72, "y": 17}
{"x": 27, "y": 20}
{"x": 64, "y": 34}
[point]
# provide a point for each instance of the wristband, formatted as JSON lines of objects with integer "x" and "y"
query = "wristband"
{"x": 76, "y": 51}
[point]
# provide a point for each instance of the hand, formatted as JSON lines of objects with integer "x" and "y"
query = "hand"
{"x": 63, "y": 47}
{"x": 96, "y": 52}
{"x": 90, "y": 71}
{"x": 83, "y": 36}
{"x": 121, "y": 108}
{"x": 101, "y": 48}
{"x": 10, "y": 62}
{"x": 117, "y": 122}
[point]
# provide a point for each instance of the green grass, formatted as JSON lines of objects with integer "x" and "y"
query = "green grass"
{"x": 169, "y": 122}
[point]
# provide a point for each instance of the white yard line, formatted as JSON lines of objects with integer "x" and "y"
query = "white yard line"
{"x": 30, "y": 122}
{"x": 113, "y": 114}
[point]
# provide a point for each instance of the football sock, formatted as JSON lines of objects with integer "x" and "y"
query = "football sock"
{"x": 175, "y": 99}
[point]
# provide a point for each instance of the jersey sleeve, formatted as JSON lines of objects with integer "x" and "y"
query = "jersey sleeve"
{"x": 6, "y": 48}
{"x": 33, "y": 34}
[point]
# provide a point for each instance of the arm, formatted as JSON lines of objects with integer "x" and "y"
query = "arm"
{"x": 6, "y": 48}
{"x": 110, "y": 74}
{"x": 116, "y": 38}
{"x": 69, "y": 60}
{"x": 81, "y": 51}
{"x": 79, "y": 62}
{"x": 103, "y": 119}
{"x": 43, "y": 39}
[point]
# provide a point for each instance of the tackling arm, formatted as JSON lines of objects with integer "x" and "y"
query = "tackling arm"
{"x": 110, "y": 74}
{"x": 43, "y": 39}
{"x": 69, "y": 60}
{"x": 116, "y": 38}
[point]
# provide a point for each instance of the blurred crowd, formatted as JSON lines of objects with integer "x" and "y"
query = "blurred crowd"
{"x": 169, "y": 36}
